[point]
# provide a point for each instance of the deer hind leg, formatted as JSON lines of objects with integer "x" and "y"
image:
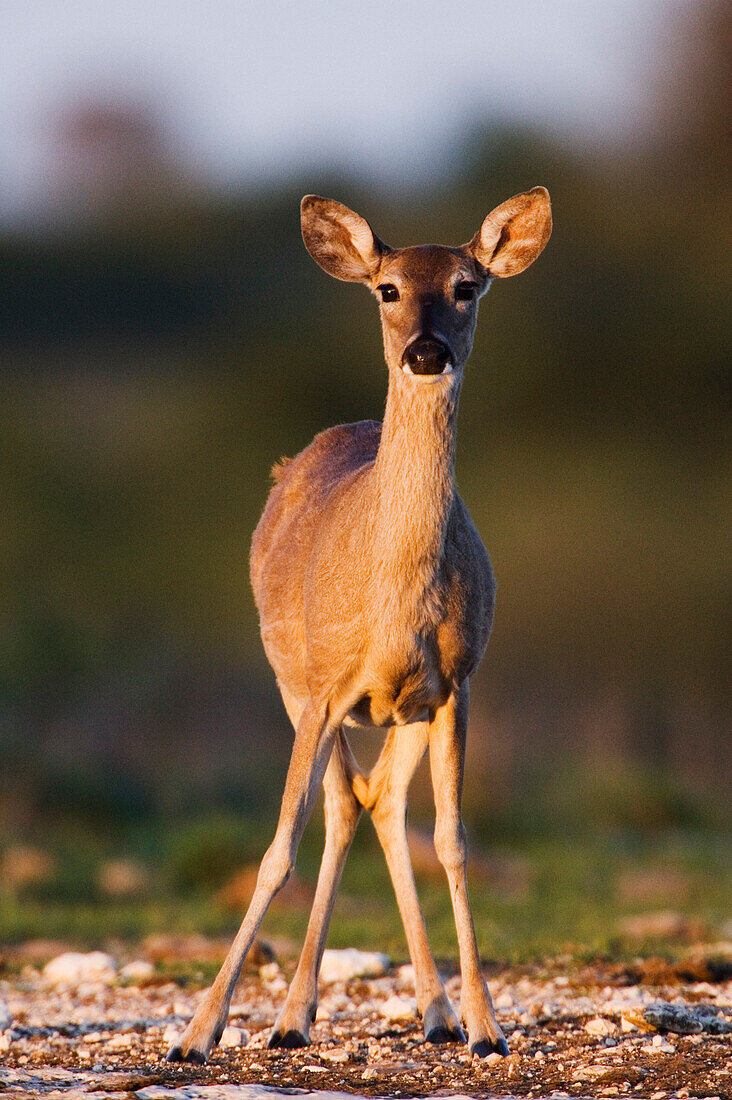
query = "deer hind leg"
{"x": 310, "y": 755}
{"x": 342, "y": 811}
{"x": 387, "y": 800}
{"x": 447, "y": 734}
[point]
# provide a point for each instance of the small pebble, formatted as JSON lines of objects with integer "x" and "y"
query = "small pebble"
{"x": 659, "y": 1045}
{"x": 269, "y": 971}
{"x": 171, "y": 1034}
{"x": 137, "y": 972}
{"x": 343, "y": 965}
{"x": 397, "y": 1008}
{"x": 234, "y": 1037}
{"x": 119, "y": 1042}
{"x": 338, "y": 1056}
{"x": 600, "y": 1026}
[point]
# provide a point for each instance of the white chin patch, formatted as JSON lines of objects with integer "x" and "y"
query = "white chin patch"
{"x": 428, "y": 378}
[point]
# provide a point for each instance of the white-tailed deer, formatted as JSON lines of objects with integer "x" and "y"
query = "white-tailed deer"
{"x": 375, "y": 596}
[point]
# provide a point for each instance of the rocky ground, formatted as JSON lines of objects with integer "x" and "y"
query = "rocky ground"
{"x": 94, "y": 1025}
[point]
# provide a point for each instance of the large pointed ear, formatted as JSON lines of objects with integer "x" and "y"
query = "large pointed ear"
{"x": 342, "y": 242}
{"x": 514, "y": 234}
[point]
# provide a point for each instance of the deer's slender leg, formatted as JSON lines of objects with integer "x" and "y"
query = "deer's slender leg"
{"x": 310, "y": 755}
{"x": 447, "y": 759}
{"x": 342, "y": 811}
{"x": 387, "y": 800}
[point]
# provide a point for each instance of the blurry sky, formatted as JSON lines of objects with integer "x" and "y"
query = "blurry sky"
{"x": 244, "y": 88}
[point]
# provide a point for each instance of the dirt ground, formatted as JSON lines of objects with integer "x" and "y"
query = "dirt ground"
{"x": 577, "y": 1030}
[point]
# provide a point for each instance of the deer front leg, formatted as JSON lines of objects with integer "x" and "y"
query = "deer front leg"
{"x": 447, "y": 759}
{"x": 342, "y": 811}
{"x": 387, "y": 799}
{"x": 310, "y": 754}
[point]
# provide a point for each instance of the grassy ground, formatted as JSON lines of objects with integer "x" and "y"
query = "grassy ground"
{"x": 549, "y": 896}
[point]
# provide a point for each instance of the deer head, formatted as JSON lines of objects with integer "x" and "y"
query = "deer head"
{"x": 428, "y": 293}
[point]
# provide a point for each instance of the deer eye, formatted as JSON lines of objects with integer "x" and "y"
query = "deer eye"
{"x": 389, "y": 292}
{"x": 465, "y": 292}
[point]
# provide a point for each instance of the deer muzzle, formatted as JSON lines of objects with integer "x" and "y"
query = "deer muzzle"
{"x": 427, "y": 355}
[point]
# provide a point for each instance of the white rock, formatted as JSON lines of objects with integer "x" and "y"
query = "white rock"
{"x": 268, "y": 972}
{"x": 599, "y": 1026}
{"x": 321, "y": 1013}
{"x": 589, "y": 1073}
{"x": 171, "y": 1034}
{"x": 5, "y": 1040}
{"x": 6, "y": 1016}
{"x": 137, "y": 972}
{"x": 493, "y": 1059}
{"x": 659, "y": 1045}
{"x": 120, "y": 1042}
{"x": 396, "y": 1008}
{"x": 341, "y": 966}
{"x": 337, "y": 1056}
{"x": 405, "y": 975}
{"x": 72, "y": 968}
{"x": 234, "y": 1037}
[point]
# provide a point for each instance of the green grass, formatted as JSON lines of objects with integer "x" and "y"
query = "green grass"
{"x": 569, "y": 898}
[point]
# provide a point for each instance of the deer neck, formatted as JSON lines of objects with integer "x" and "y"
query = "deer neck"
{"x": 414, "y": 481}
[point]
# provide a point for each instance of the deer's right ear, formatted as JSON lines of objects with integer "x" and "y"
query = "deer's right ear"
{"x": 342, "y": 242}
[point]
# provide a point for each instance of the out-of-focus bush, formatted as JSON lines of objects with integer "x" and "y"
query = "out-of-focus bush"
{"x": 158, "y": 358}
{"x": 204, "y": 854}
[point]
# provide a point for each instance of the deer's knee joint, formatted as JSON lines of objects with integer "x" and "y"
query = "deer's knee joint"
{"x": 342, "y": 834}
{"x": 275, "y": 868}
{"x": 389, "y": 814}
{"x": 341, "y": 819}
{"x": 451, "y": 845}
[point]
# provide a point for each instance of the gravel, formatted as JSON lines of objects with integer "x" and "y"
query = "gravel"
{"x": 570, "y": 1031}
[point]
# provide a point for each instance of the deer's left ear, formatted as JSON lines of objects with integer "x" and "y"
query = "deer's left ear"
{"x": 513, "y": 234}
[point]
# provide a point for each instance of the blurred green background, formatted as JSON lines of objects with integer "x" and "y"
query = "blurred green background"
{"x": 166, "y": 341}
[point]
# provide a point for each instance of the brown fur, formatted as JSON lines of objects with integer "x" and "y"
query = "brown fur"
{"x": 375, "y": 597}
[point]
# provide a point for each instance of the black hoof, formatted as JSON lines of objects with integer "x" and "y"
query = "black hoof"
{"x": 290, "y": 1040}
{"x": 487, "y": 1046}
{"x": 442, "y": 1034}
{"x": 176, "y": 1055}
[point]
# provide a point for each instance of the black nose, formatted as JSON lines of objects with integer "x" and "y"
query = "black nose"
{"x": 426, "y": 356}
